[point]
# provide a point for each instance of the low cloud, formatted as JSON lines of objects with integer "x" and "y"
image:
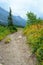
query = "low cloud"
{"x": 20, "y": 7}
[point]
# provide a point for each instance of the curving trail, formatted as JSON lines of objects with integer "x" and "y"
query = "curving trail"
{"x": 16, "y": 52}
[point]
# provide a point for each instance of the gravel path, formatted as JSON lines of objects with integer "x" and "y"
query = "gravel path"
{"x": 16, "y": 52}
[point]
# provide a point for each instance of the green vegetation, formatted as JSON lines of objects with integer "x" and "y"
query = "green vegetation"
{"x": 10, "y": 22}
{"x": 34, "y": 34}
{"x": 7, "y": 40}
{"x": 5, "y": 30}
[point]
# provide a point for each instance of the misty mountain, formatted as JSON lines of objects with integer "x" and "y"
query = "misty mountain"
{"x": 17, "y": 20}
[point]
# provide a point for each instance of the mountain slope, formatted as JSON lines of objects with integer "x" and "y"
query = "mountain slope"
{"x": 17, "y": 20}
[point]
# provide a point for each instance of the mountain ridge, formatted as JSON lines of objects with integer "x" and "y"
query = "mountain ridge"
{"x": 17, "y": 20}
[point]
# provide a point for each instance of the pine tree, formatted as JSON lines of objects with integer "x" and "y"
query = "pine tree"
{"x": 10, "y": 20}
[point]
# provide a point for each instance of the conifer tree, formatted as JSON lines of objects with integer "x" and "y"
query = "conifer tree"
{"x": 10, "y": 20}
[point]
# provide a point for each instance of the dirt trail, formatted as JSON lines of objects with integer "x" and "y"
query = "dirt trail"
{"x": 16, "y": 52}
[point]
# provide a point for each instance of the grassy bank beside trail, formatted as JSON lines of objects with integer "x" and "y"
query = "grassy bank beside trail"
{"x": 34, "y": 34}
{"x": 4, "y": 31}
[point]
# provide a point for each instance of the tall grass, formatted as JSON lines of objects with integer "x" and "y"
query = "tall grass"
{"x": 34, "y": 34}
{"x": 4, "y": 31}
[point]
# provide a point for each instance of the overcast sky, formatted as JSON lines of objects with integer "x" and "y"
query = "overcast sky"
{"x": 20, "y": 7}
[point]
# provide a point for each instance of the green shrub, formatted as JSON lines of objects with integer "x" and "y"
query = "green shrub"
{"x": 4, "y": 31}
{"x": 7, "y": 40}
{"x": 12, "y": 29}
{"x": 34, "y": 34}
